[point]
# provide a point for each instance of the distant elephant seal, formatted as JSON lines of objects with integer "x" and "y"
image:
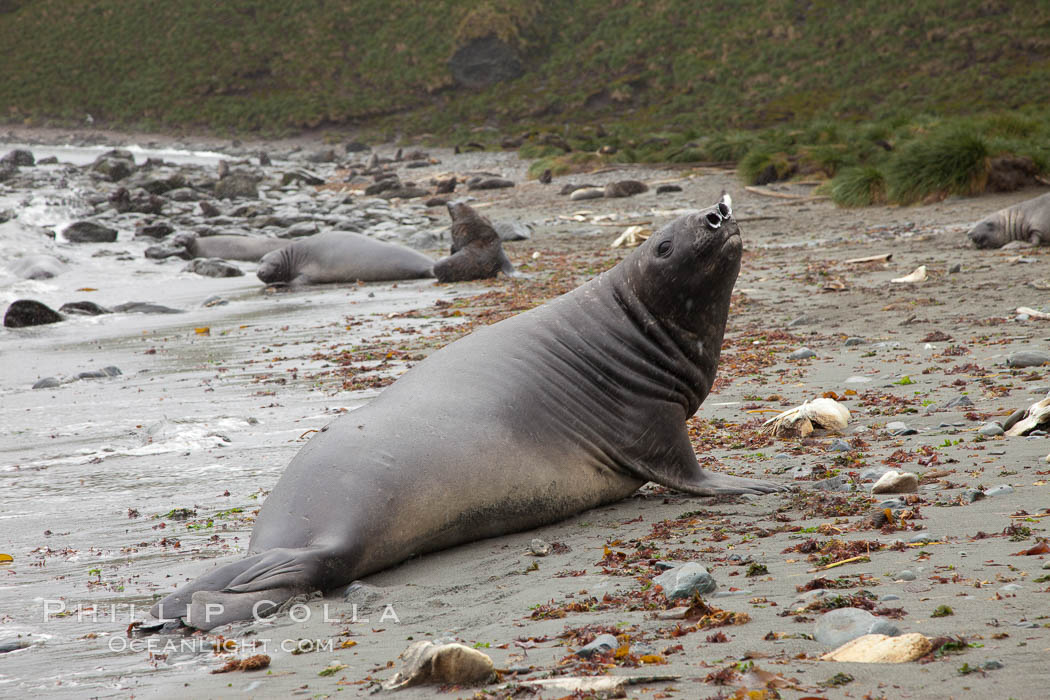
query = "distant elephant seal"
{"x": 625, "y": 188}
{"x": 566, "y": 407}
{"x": 248, "y": 248}
{"x": 1028, "y": 221}
{"x": 339, "y": 256}
{"x": 477, "y": 252}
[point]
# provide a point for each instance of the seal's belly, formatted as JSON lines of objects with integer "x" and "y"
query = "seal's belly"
{"x": 390, "y": 487}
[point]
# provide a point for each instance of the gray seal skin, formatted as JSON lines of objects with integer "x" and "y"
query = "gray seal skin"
{"x": 1028, "y": 221}
{"x": 338, "y": 256}
{"x": 568, "y": 406}
{"x": 477, "y": 252}
{"x": 246, "y": 248}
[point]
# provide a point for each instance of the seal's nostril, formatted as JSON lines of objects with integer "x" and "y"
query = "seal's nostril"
{"x": 713, "y": 220}
{"x": 724, "y": 210}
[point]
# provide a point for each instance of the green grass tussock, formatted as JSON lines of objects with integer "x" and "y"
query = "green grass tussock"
{"x": 953, "y": 162}
{"x": 859, "y": 186}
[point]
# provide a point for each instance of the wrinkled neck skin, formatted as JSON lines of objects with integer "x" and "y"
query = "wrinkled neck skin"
{"x": 683, "y": 347}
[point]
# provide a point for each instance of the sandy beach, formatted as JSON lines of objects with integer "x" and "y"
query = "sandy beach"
{"x": 117, "y": 491}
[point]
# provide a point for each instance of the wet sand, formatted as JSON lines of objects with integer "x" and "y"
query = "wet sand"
{"x": 93, "y": 471}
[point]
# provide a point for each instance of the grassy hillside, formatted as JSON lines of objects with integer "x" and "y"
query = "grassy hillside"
{"x": 682, "y": 64}
{"x": 654, "y": 78}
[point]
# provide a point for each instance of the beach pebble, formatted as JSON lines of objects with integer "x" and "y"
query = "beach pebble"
{"x": 1027, "y": 358}
{"x": 992, "y": 665}
{"x": 48, "y": 383}
{"x": 23, "y": 313}
{"x": 238, "y": 185}
{"x": 905, "y": 575}
{"x": 602, "y": 644}
{"x": 835, "y": 628}
{"x": 834, "y": 483}
{"x": 839, "y": 445}
{"x": 882, "y": 649}
{"x": 512, "y": 230}
{"x": 803, "y": 320}
{"x": 899, "y": 428}
{"x": 921, "y": 537}
{"x": 666, "y": 189}
{"x": 19, "y": 156}
{"x": 971, "y": 495}
{"x": 998, "y": 490}
{"x": 1046, "y": 564}
{"x": 89, "y": 232}
{"x": 991, "y": 429}
{"x": 887, "y": 597}
{"x": 856, "y": 379}
{"x": 896, "y": 482}
{"x": 959, "y": 401}
{"x": 685, "y": 580}
{"x": 362, "y": 594}
{"x": 802, "y": 354}
{"x": 539, "y": 548}
{"x": 851, "y": 342}
{"x": 10, "y": 645}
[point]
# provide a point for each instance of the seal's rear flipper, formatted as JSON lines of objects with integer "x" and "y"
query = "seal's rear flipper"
{"x": 274, "y": 575}
{"x": 210, "y": 609}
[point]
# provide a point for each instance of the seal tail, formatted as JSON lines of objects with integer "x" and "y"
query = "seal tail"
{"x": 251, "y": 588}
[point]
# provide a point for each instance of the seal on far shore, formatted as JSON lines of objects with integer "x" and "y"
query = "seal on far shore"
{"x": 247, "y": 248}
{"x": 477, "y": 252}
{"x": 1028, "y": 221}
{"x": 338, "y": 256}
{"x": 568, "y": 406}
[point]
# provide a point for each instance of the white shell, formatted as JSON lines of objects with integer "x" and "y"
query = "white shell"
{"x": 827, "y": 414}
{"x": 1037, "y": 414}
{"x": 917, "y": 275}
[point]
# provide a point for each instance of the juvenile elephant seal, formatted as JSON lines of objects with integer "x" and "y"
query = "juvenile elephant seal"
{"x": 565, "y": 407}
{"x": 477, "y": 252}
{"x": 338, "y": 256}
{"x": 247, "y": 248}
{"x": 1028, "y": 221}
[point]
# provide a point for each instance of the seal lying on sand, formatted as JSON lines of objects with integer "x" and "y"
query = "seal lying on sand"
{"x": 1028, "y": 221}
{"x": 477, "y": 252}
{"x": 338, "y": 256}
{"x": 568, "y": 406}
{"x": 247, "y": 248}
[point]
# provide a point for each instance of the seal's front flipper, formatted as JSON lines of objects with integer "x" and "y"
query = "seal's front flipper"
{"x": 507, "y": 266}
{"x": 679, "y": 470}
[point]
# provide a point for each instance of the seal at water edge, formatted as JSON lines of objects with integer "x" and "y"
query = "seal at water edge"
{"x": 247, "y": 248}
{"x": 338, "y": 256}
{"x": 568, "y": 406}
{"x": 477, "y": 251}
{"x": 1028, "y": 221}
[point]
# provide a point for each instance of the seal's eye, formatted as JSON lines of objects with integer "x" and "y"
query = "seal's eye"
{"x": 664, "y": 249}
